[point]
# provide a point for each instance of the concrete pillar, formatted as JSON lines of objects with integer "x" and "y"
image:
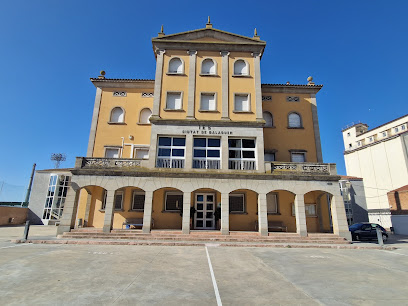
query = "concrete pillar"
{"x": 225, "y": 213}
{"x": 225, "y": 85}
{"x": 87, "y": 208}
{"x": 300, "y": 214}
{"x": 188, "y": 162}
{"x": 191, "y": 84}
{"x": 147, "y": 214}
{"x": 70, "y": 209}
{"x": 158, "y": 83}
{"x": 186, "y": 212}
{"x": 339, "y": 219}
{"x": 258, "y": 89}
{"x": 262, "y": 215}
{"x": 316, "y": 129}
{"x": 224, "y": 152}
{"x": 94, "y": 123}
{"x": 109, "y": 211}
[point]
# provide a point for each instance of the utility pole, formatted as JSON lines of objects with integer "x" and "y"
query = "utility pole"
{"x": 29, "y": 187}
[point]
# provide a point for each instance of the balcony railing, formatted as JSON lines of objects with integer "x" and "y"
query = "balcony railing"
{"x": 169, "y": 163}
{"x": 98, "y": 162}
{"x": 241, "y": 165}
{"x": 206, "y": 164}
{"x": 300, "y": 168}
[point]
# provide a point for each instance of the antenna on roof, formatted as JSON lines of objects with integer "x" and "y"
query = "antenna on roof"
{"x": 256, "y": 34}
{"x": 161, "y": 33}
{"x": 208, "y": 25}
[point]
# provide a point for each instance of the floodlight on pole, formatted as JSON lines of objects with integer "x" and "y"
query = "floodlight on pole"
{"x": 57, "y": 158}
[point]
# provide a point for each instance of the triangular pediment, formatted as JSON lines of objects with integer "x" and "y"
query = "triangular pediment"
{"x": 209, "y": 35}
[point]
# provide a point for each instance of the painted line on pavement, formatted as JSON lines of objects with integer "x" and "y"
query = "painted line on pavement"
{"x": 393, "y": 252}
{"x": 13, "y": 246}
{"x": 217, "y": 293}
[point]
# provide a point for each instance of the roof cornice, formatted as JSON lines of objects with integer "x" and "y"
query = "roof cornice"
{"x": 290, "y": 88}
{"x": 123, "y": 83}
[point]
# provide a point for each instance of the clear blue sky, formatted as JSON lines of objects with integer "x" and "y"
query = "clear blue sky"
{"x": 49, "y": 49}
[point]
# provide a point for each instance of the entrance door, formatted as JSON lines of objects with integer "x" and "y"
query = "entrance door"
{"x": 204, "y": 215}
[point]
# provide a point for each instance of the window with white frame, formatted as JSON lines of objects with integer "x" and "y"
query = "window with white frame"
{"x": 141, "y": 153}
{"x": 174, "y": 100}
{"x": 174, "y": 201}
{"x": 117, "y": 115}
{"x": 237, "y": 203}
{"x": 208, "y": 102}
{"x": 170, "y": 152}
{"x": 241, "y": 154}
{"x": 144, "y": 117}
{"x": 269, "y": 157}
{"x": 207, "y": 153}
{"x": 384, "y": 134}
{"x": 298, "y": 157}
{"x": 272, "y": 203}
{"x": 403, "y": 127}
{"x": 176, "y": 66}
{"x": 208, "y": 66}
{"x": 371, "y": 139}
{"x": 241, "y": 68}
{"x": 359, "y": 143}
{"x": 138, "y": 200}
{"x": 118, "y": 200}
{"x": 267, "y": 116}
{"x": 294, "y": 120}
{"x": 242, "y": 103}
{"x": 112, "y": 152}
{"x": 56, "y": 195}
{"x": 396, "y": 129}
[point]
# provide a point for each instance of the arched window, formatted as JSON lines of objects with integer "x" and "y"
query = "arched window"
{"x": 241, "y": 68}
{"x": 294, "y": 120}
{"x": 175, "y": 65}
{"x": 117, "y": 115}
{"x": 268, "y": 119}
{"x": 144, "y": 117}
{"x": 208, "y": 66}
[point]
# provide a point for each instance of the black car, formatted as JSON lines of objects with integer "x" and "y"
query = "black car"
{"x": 366, "y": 231}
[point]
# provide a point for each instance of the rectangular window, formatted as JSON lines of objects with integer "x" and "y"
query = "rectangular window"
{"x": 56, "y": 195}
{"x": 359, "y": 143}
{"x": 171, "y": 152}
{"x": 241, "y": 154}
{"x": 141, "y": 153}
{"x": 138, "y": 200}
{"x": 396, "y": 130}
{"x": 269, "y": 157}
{"x": 118, "y": 200}
{"x": 174, "y": 201}
{"x": 272, "y": 203}
{"x": 402, "y": 127}
{"x": 208, "y": 102}
{"x": 298, "y": 157}
{"x": 174, "y": 100}
{"x": 310, "y": 210}
{"x": 236, "y": 203}
{"x": 384, "y": 134}
{"x": 242, "y": 103}
{"x": 112, "y": 152}
{"x": 207, "y": 153}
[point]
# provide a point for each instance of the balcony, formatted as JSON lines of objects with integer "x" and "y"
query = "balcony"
{"x": 236, "y": 167}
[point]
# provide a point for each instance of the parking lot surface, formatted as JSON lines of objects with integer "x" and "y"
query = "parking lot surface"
{"x": 202, "y": 275}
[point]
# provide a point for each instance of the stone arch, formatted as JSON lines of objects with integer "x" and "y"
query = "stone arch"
{"x": 318, "y": 211}
{"x": 206, "y": 212}
{"x": 167, "y": 207}
{"x": 283, "y": 213}
{"x": 243, "y": 209}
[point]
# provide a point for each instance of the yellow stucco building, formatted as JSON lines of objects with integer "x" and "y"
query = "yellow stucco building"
{"x": 205, "y": 146}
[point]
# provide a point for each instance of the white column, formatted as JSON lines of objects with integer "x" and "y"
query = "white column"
{"x": 224, "y": 152}
{"x": 188, "y": 155}
{"x": 94, "y": 123}
{"x": 191, "y": 84}
{"x": 300, "y": 213}
{"x": 186, "y": 212}
{"x": 225, "y": 85}
{"x": 262, "y": 215}
{"x": 339, "y": 219}
{"x": 147, "y": 214}
{"x": 224, "y": 213}
{"x": 67, "y": 220}
{"x": 158, "y": 83}
{"x": 109, "y": 211}
{"x": 258, "y": 89}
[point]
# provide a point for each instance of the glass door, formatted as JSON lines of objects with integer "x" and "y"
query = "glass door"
{"x": 204, "y": 215}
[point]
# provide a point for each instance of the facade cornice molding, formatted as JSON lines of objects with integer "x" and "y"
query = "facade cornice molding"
{"x": 212, "y": 175}
{"x": 221, "y": 123}
{"x": 290, "y": 88}
{"x": 123, "y": 83}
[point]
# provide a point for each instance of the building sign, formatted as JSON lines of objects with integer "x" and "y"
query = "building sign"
{"x": 206, "y": 130}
